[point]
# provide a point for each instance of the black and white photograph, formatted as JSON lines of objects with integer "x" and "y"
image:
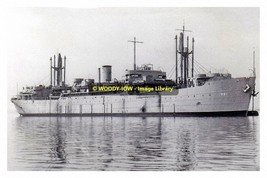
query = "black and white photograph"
{"x": 133, "y": 89}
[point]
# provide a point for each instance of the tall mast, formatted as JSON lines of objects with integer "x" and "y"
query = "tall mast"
{"x": 254, "y": 93}
{"x": 134, "y": 42}
{"x": 54, "y": 70}
{"x": 185, "y": 65}
{"x": 254, "y": 69}
{"x": 181, "y": 47}
{"x": 184, "y": 55}
{"x": 51, "y": 67}
{"x": 176, "y": 60}
{"x": 64, "y": 70}
{"x": 187, "y": 53}
{"x": 254, "y": 74}
{"x": 193, "y": 50}
{"x": 59, "y": 70}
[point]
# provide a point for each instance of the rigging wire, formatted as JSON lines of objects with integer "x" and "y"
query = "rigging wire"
{"x": 202, "y": 67}
{"x": 45, "y": 78}
{"x": 171, "y": 72}
{"x": 198, "y": 68}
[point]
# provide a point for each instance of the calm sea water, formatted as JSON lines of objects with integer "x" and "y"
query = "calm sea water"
{"x": 133, "y": 143}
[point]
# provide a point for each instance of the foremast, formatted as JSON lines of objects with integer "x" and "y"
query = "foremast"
{"x": 184, "y": 52}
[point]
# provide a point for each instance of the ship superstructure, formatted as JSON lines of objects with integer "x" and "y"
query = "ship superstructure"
{"x": 144, "y": 91}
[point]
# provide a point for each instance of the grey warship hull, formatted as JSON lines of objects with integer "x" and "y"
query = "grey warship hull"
{"x": 225, "y": 97}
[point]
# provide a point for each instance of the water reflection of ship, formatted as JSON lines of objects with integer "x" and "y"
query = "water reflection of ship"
{"x": 186, "y": 159}
{"x": 146, "y": 150}
{"x": 57, "y": 142}
{"x": 149, "y": 148}
{"x": 107, "y": 142}
{"x": 147, "y": 142}
{"x": 137, "y": 144}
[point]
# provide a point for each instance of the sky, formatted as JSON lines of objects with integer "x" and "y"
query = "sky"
{"x": 90, "y": 38}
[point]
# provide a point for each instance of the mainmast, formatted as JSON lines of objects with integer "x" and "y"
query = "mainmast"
{"x": 134, "y": 42}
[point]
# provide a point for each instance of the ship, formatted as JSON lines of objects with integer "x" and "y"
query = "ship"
{"x": 143, "y": 92}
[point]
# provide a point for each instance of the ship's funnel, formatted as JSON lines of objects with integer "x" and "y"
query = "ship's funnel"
{"x": 106, "y": 73}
